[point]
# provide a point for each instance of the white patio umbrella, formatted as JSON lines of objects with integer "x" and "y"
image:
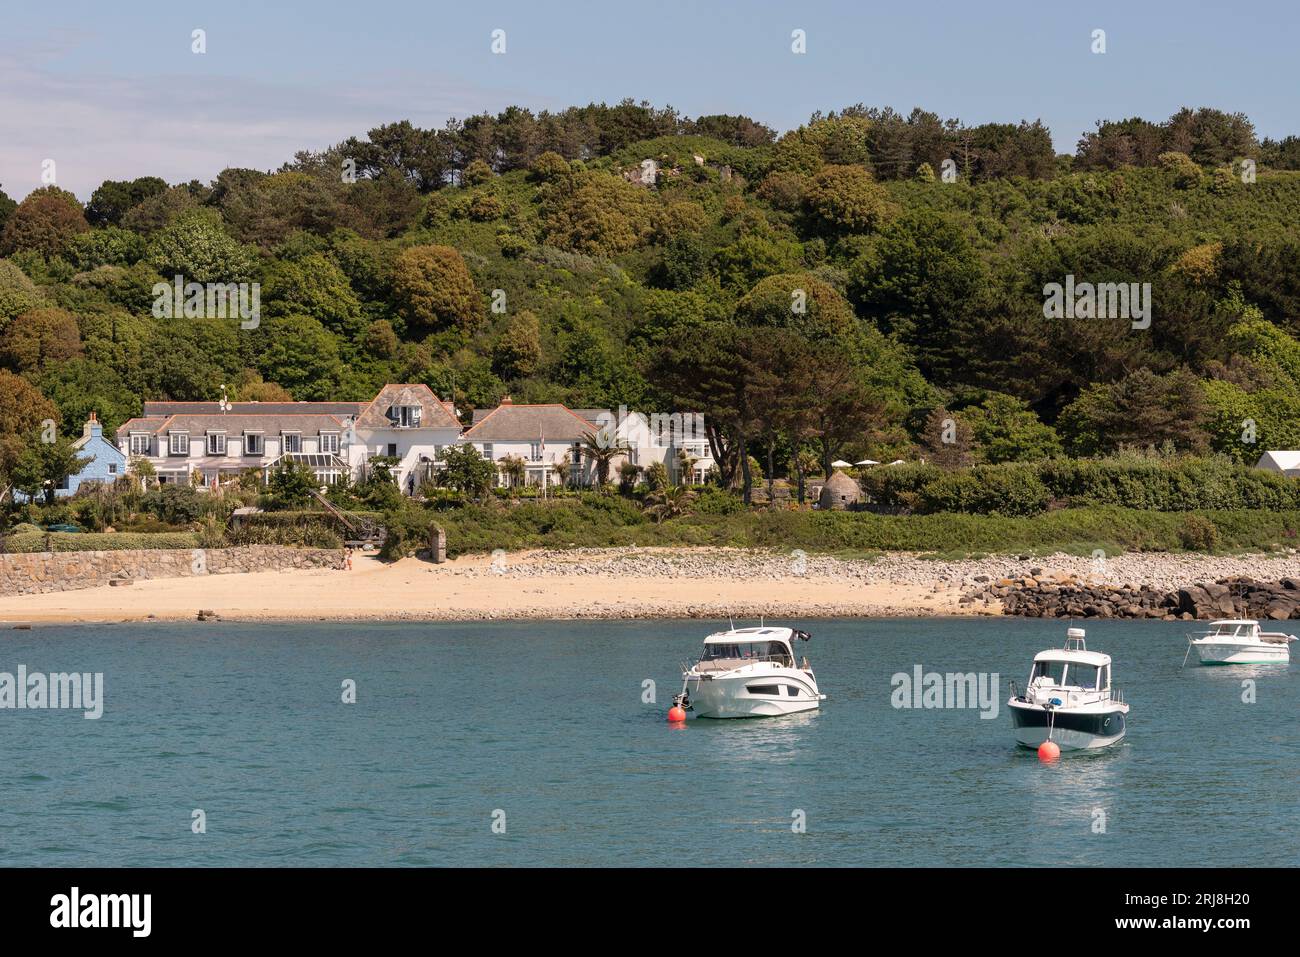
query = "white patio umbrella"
{"x": 898, "y": 462}
{"x": 868, "y": 462}
{"x": 841, "y": 464}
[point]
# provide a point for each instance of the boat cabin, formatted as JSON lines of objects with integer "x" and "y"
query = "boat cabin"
{"x": 1241, "y": 628}
{"x": 731, "y": 649}
{"x": 1073, "y": 666}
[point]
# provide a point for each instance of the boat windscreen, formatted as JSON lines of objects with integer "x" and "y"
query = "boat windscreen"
{"x": 742, "y": 650}
{"x": 1085, "y": 676}
{"x": 1052, "y": 670}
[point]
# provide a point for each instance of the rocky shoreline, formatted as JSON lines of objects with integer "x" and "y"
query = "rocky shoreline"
{"x": 1041, "y": 596}
{"x": 631, "y": 583}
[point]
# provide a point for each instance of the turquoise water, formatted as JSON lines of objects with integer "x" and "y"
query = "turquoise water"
{"x": 545, "y": 722}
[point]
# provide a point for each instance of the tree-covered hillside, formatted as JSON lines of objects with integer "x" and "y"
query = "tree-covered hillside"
{"x": 870, "y": 284}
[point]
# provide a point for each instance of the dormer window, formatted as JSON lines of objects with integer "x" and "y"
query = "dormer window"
{"x": 178, "y": 443}
{"x": 292, "y": 442}
{"x": 329, "y": 442}
{"x": 404, "y": 416}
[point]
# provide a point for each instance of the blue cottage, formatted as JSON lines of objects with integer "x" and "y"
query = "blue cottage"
{"x": 108, "y": 464}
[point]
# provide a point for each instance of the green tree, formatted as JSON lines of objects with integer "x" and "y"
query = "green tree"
{"x": 38, "y": 337}
{"x": 518, "y": 353}
{"x": 43, "y": 466}
{"x": 434, "y": 290}
{"x": 600, "y": 448}
{"x": 845, "y": 199}
{"x": 24, "y": 413}
{"x": 1142, "y": 409}
{"x": 1005, "y": 429}
{"x": 197, "y": 247}
{"x": 300, "y": 354}
{"x": 313, "y": 286}
{"x": 115, "y": 198}
{"x": 44, "y": 223}
{"x": 601, "y": 215}
{"x": 18, "y": 294}
{"x": 290, "y": 485}
{"x": 466, "y": 471}
{"x": 918, "y": 282}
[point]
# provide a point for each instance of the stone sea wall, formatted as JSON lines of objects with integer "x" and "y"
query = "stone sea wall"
{"x": 30, "y": 573}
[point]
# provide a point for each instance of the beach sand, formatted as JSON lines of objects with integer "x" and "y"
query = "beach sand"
{"x": 517, "y": 586}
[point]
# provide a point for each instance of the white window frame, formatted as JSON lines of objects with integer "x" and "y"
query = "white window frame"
{"x": 216, "y": 443}
{"x": 486, "y": 451}
{"x": 178, "y": 444}
{"x": 329, "y": 443}
{"x": 285, "y": 438}
{"x": 259, "y": 439}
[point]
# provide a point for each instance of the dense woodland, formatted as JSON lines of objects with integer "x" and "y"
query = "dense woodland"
{"x": 519, "y": 254}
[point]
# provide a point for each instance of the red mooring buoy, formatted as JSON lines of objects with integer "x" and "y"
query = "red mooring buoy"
{"x": 676, "y": 713}
{"x": 1049, "y": 751}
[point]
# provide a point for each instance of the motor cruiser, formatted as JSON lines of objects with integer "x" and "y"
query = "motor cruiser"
{"x": 1069, "y": 699}
{"x": 749, "y": 673}
{"x": 1239, "y": 641}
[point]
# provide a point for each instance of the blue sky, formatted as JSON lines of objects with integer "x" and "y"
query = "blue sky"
{"x": 113, "y": 91}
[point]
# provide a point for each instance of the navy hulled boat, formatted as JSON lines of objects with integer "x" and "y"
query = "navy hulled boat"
{"x": 1069, "y": 699}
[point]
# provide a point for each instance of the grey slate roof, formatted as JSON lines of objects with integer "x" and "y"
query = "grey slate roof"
{"x": 434, "y": 414}
{"x": 234, "y": 424}
{"x": 530, "y": 423}
{"x": 253, "y": 408}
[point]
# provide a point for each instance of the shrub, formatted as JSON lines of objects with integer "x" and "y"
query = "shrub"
{"x": 1198, "y": 534}
{"x": 294, "y": 536}
{"x": 174, "y": 504}
{"x": 712, "y": 500}
{"x": 887, "y": 485}
{"x": 1009, "y": 489}
{"x": 96, "y": 542}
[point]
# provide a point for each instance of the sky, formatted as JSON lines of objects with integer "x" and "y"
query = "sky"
{"x": 115, "y": 91}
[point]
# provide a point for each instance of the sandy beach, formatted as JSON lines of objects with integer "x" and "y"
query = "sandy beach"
{"x": 534, "y": 585}
{"x": 611, "y": 583}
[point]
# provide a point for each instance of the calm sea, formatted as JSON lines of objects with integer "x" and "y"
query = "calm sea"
{"x": 541, "y": 727}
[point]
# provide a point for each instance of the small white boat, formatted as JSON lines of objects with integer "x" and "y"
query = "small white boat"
{"x": 749, "y": 673}
{"x": 1069, "y": 699}
{"x": 1239, "y": 641}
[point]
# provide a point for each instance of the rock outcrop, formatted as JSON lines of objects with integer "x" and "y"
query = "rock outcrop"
{"x": 1065, "y": 596}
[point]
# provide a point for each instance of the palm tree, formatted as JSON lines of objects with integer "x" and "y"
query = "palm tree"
{"x": 513, "y": 468}
{"x": 668, "y": 502}
{"x": 601, "y": 449}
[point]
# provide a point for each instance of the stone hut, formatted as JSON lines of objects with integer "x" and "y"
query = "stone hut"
{"x": 839, "y": 492}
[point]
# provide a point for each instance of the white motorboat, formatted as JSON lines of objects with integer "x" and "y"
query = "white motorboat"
{"x": 1239, "y": 641}
{"x": 1069, "y": 699}
{"x": 749, "y": 673}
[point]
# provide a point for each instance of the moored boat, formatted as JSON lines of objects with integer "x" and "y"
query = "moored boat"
{"x": 749, "y": 673}
{"x": 1069, "y": 699}
{"x": 1240, "y": 641}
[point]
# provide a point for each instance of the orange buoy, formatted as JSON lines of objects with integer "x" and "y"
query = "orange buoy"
{"x": 1049, "y": 751}
{"x": 676, "y": 713}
